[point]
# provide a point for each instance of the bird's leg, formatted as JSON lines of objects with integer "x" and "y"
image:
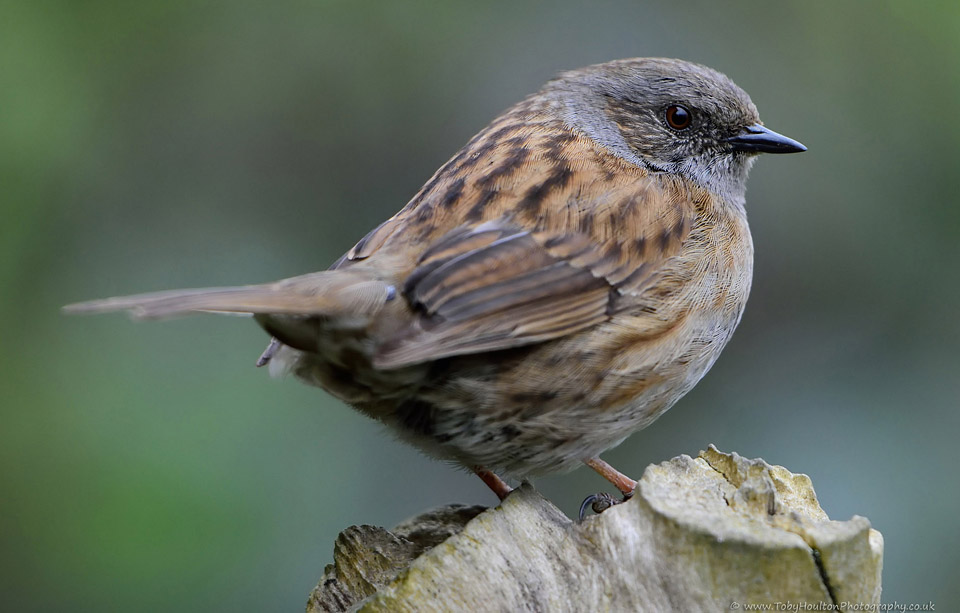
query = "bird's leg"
{"x": 625, "y": 484}
{"x": 603, "y": 501}
{"x": 495, "y": 483}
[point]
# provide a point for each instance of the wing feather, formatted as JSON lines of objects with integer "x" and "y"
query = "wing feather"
{"x": 503, "y": 288}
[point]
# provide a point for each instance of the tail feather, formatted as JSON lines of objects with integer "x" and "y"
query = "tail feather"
{"x": 324, "y": 293}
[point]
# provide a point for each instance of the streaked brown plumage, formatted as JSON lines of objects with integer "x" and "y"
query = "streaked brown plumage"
{"x": 556, "y": 286}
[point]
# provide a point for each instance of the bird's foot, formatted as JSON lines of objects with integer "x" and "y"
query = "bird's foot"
{"x": 600, "y": 502}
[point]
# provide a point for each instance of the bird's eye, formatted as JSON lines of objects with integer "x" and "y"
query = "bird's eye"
{"x": 678, "y": 117}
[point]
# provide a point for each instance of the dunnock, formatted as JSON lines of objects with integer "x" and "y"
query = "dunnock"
{"x": 556, "y": 286}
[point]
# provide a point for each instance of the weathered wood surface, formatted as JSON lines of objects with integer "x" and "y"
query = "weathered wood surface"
{"x": 713, "y": 533}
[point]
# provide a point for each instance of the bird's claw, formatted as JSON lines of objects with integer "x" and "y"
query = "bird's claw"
{"x": 599, "y": 503}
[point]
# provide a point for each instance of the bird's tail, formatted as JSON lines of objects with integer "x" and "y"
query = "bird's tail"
{"x": 331, "y": 293}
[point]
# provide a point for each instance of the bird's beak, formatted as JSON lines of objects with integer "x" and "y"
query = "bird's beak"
{"x": 758, "y": 139}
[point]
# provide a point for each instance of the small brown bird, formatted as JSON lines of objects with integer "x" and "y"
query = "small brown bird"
{"x": 556, "y": 286}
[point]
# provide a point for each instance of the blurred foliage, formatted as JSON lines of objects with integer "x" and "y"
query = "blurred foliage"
{"x": 150, "y": 145}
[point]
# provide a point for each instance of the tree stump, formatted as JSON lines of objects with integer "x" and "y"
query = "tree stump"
{"x": 719, "y": 532}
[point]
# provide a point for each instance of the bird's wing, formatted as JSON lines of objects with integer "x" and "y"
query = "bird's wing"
{"x": 496, "y": 286}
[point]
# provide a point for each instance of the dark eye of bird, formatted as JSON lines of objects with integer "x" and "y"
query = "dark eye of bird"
{"x": 678, "y": 117}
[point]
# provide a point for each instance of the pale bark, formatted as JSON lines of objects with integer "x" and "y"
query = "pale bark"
{"x": 715, "y": 533}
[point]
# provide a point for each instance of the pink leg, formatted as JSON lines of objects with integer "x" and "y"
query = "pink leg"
{"x": 625, "y": 484}
{"x": 495, "y": 483}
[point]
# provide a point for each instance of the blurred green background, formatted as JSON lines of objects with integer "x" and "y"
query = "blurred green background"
{"x": 152, "y": 145}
